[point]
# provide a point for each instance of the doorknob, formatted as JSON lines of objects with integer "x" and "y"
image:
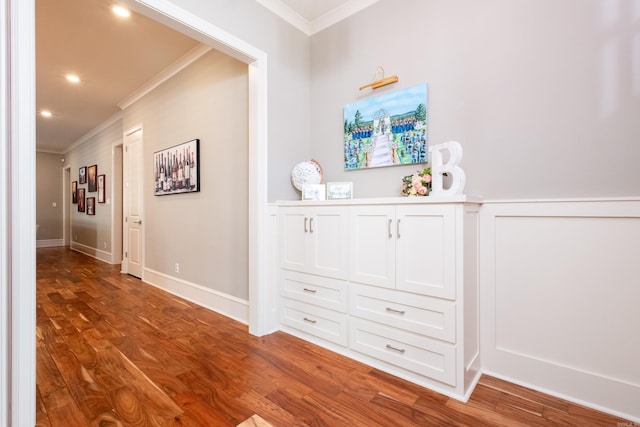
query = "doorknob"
{"x": 139, "y": 222}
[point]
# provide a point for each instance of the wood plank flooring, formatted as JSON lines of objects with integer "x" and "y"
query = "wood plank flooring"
{"x": 113, "y": 351}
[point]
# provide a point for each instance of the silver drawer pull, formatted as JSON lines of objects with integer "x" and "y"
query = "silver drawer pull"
{"x": 391, "y": 310}
{"x": 310, "y": 321}
{"x": 399, "y": 350}
{"x": 390, "y": 234}
{"x": 305, "y": 225}
{"x": 311, "y": 291}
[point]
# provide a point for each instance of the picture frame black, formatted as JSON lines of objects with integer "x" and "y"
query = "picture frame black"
{"x": 101, "y": 188}
{"x": 81, "y": 199}
{"x": 91, "y": 205}
{"x": 82, "y": 175}
{"x": 177, "y": 169}
{"x": 92, "y": 177}
{"x": 74, "y": 192}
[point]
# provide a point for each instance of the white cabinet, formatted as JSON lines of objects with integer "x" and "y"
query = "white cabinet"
{"x": 409, "y": 248}
{"x": 392, "y": 283}
{"x": 315, "y": 240}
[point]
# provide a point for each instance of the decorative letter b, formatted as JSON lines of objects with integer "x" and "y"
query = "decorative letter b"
{"x": 451, "y": 169}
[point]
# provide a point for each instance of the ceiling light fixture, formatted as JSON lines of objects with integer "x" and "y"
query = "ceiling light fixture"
{"x": 73, "y": 78}
{"x": 121, "y": 11}
{"x": 46, "y": 113}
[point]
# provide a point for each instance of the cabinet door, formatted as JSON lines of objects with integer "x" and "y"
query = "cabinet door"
{"x": 372, "y": 245}
{"x": 425, "y": 250}
{"x": 328, "y": 242}
{"x": 293, "y": 247}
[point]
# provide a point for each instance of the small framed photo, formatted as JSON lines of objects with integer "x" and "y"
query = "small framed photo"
{"x": 101, "y": 189}
{"x": 91, "y": 205}
{"x": 74, "y": 192}
{"x": 92, "y": 176}
{"x": 82, "y": 175}
{"x": 339, "y": 190}
{"x": 81, "y": 200}
{"x": 313, "y": 192}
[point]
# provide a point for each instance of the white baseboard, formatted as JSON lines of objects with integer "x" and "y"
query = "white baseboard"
{"x": 92, "y": 252}
{"x": 227, "y": 305}
{"x": 566, "y": 397}
{"x": 49, "y": 243}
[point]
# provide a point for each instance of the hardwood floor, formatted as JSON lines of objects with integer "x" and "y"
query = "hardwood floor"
{"x": 113, "y": 351}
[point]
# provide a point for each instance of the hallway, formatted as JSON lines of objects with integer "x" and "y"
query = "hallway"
{"x": 113, "y": 351}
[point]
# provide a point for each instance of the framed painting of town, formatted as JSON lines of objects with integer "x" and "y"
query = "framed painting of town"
{"x": 387, "y": 130}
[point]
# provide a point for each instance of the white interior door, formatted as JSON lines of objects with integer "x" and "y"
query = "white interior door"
{"x": 133, "y": 226}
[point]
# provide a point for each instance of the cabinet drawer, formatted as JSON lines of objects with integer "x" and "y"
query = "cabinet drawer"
{"x": 326, "y": 324}
{"x": 416, "y": 313}
{"x": 322, "y": 291}
{"x": 405, "y": 350}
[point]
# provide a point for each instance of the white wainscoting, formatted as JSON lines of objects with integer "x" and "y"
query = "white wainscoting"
{"x": 560, "y": 299}
{"x": 230, "y": 306}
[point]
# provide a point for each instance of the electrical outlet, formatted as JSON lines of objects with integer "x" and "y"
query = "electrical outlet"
{"x": 177, "y": 268}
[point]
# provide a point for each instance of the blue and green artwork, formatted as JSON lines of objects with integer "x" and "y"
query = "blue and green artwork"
{"x": 387, "y": 130}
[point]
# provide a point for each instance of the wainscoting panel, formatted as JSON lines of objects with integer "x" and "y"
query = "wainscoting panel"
{"x": 560, "y": 298}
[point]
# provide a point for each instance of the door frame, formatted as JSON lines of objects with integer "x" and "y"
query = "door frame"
{"x": 17, "y": 204}
{"x": 126, "y": 136}
{"x": 66, "y": 205}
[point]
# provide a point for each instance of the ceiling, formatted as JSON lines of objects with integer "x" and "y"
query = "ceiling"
{"x": 114, "y": 58}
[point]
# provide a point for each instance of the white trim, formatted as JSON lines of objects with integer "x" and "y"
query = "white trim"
{"x": 173, "y": 69}
{"x": 288, "y": 14}
{"x": 174, "y": 17}
{"x": 5, "y": 245}
{"x": 19, "y": 37}
{"x": 565, "y": 397}
{"x": 116, "y": 232}
{"x": 316, "y": 25}
{"x": 49, "y": 243}
{"x": 103, "y": 256}
{"x": 66, "y": 206}
{"x": 227, "y": 305}
{"x": 339, "y": 14}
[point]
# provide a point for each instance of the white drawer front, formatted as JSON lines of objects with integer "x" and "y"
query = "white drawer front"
{"x": 416, "y": 313}
{"x": 326, "y": 324}
{"x": 321, "y": 291}
{"x": 405, "y": 350}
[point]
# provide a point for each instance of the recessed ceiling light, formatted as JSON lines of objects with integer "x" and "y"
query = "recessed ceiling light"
{"x": 121, "y": 11}
{"x": 46, "y": 113}
{"x": 73, "y": 78}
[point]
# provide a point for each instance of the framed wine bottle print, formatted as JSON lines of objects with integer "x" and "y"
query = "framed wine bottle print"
{"x": 177, "y": 169}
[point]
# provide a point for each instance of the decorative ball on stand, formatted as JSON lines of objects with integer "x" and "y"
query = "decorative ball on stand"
{"x": 307, "y": 172}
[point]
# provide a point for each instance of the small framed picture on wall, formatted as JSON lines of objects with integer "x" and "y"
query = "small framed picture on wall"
{"x": 91, "y": 205}
{"x": 82, "y": 175}
{"x": 101, "y": 189}
{"x": 74, "y": 192}
{"x": 81, "y": 200}
{"x": 92, "y": 178}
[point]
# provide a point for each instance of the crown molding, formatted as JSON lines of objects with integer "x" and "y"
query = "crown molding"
{"x": 339, "y": 13}
{"x": 164, "y": 75}
{"x": 328, "y": 19}
{"x": 288, "y": 14}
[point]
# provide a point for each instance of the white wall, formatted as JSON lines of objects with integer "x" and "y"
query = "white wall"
{"x": 543, "y": 96}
